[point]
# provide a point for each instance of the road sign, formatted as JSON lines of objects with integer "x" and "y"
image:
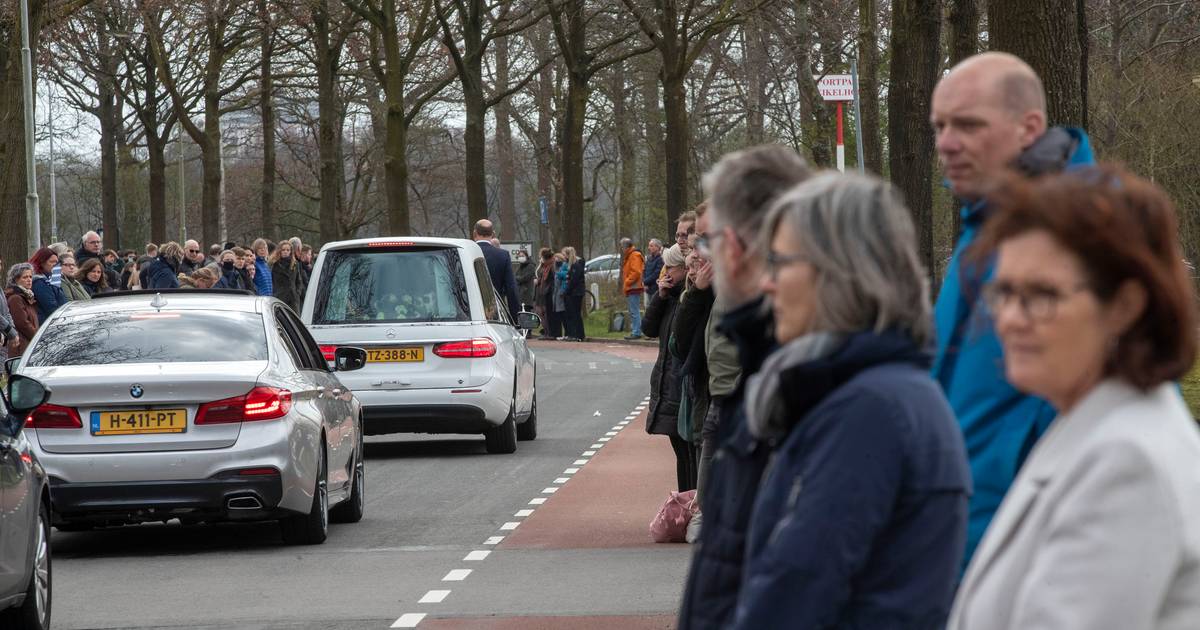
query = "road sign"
{"x": 544, "y": 208}
{"x": 836, "y": 87}
{"x": 513, "y": 248}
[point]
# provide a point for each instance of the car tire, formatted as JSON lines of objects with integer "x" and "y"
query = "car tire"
{"x": 311, "y": 528}
{"x": 351, "y": 510}
{"x": 34, "y": 612}
{"x": 527, "y": 431}
{"x": 502, "y": 439}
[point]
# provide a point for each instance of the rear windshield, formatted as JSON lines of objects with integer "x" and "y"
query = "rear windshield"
{"x": 151, "y": 337}
{"x": 421, "y": 285}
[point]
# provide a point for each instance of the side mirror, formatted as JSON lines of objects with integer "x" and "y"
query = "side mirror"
{"x": 528, "y": 321}
{"x": 10, "y": 365}
{"x": 25, "y": 394}
{"x": 349, "y": 359}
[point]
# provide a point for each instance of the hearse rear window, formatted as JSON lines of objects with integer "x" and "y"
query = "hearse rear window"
{"x": 402, "y": 285}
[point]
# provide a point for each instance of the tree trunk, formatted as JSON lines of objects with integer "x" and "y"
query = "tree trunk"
{"x": 1045, "y": 33}
{"x": 543, "y": 139}
{"x": 212, "y": 197}
{"x": 656, "y": 174}
{"x": 15, "y": 235}
{"x": 756, "y": 63}
{"x": 962, "y": 37}
{"x": 916, "y": 61}
{"x": 504, "y": 148}
{"x": 816, "y": 122}
{"x": 868, "y": 84}
{"x": 571, "y": 140}
{"x": 267, "y": 107}
{"x": 623, "y": 127}
{"x": 327, "y": 121}
{"x": 110, "y": 123}
{"x": 157, "y": 159}
{"x": 677, "y": 153}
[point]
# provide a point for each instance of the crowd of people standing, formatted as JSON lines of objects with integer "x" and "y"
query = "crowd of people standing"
{"x": 57, "y": 274}
{"x": 1015, "y": 456}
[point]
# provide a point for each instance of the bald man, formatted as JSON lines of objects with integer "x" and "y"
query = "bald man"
{"x": 499, "y": 264}
{"x": 989, "y": 117}
{"x": 193, "y": 258}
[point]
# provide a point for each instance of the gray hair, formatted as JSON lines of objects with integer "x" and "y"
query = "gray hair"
{"x": 59, "y": 249}
{"x": 626, "y": 242}
{"x": 656, "y": 242}
{"x": 742, "y": 185}
{"x": 15, "y": 272}
{"x": 859, "y": 237}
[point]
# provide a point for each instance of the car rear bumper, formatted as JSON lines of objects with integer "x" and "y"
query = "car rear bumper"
{"x": 222, "y": 498}
{"x": 432, "y": 411}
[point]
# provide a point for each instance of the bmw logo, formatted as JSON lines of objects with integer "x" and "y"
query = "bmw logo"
{"x": 136, "y": 391}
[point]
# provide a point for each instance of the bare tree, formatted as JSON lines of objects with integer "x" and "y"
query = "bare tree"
{"x": 1046, "y": 34}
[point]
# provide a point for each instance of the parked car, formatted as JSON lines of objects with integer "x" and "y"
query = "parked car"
{"x": 25, "y": 575}
{"x": 604, "y": 272}
{"x": 198, "y": 405}
{"x": 442, "y": 355}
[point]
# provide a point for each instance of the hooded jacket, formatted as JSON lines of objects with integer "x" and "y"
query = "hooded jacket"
{"x": 1000, "y": 424}
{"x": 163, "y": 273}
{"x": 860, "y": 520}
{"x": 49, "y": 297}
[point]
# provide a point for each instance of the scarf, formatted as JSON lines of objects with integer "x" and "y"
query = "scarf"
{"x": 765, "y": 413}
{"x": 25, "y": 293}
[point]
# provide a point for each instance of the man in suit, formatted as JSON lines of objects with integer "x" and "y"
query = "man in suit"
{"x": 499, "y": 265}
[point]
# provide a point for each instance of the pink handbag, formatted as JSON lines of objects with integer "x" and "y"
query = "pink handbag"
{"x": 670, "y": 524}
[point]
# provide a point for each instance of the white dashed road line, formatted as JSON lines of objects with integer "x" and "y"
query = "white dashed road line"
{"x": 437, "y": 596}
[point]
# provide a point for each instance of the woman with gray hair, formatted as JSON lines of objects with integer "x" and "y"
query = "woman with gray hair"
{"x": 860, "y": 522}
{"x": 22, "y": 306}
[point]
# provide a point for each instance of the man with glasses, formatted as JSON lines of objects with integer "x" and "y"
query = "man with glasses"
{"x": 989, "y": 118}
{"x": 685, "y": 227}
{"x": 193, "y": 258}
{"x": 741, "y": 188}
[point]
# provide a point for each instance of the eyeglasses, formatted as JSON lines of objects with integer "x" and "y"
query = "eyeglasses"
{"x": 1039, "y": 302}
{"x": 705, "y": 242}
{"x": 93, "y": 242}
{"x": 775, "y": 261}
{"x": 193, "y": 251}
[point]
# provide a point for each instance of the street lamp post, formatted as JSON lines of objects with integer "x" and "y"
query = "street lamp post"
{"x": 32, "y": 214}
{"x": 53, "y": 197}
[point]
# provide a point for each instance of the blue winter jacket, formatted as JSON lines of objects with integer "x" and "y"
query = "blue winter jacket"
{"x": 651, "y": 271}
{"x": 1000, "y": 424}
{"x": 715, "y": 576}
{"x": 859, "y": 521}
{"x": 262, "y": 277}
{"x": 49, "y": 297}
{"x": 160, "y": 274}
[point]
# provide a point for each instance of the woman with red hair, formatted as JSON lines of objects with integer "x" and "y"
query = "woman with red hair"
{"x": 49, "y": 297}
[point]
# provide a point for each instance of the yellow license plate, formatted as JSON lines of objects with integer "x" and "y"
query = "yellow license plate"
{"x": 396, "y": 355}
{"x": 139, "y": 421}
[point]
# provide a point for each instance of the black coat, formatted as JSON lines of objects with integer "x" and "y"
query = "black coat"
{"x": 161, "y": 274}
{"x": 286, "y": 283}
{"x": 575, "y": 280}
{"x": 687, "y": 344}
{"x": 663, "y": 415}
{"x": 499, "y": 264}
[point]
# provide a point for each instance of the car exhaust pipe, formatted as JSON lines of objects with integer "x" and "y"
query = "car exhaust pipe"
{"x": 244, "y": 503}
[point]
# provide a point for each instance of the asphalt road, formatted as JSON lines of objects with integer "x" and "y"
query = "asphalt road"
{"x": 433, "y": 502}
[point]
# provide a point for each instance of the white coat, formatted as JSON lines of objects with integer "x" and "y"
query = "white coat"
{"x": 1101, "y": 529}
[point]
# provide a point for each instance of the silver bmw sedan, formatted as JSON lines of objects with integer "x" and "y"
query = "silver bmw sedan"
{"x": 198, "y": 405}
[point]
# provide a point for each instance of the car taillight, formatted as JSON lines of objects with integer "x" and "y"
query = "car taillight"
{"x": 468, "y": 349}
{"x": 53, "y": 417}
{"x": 260, "y": 403}
{"x": 328, "y": 352}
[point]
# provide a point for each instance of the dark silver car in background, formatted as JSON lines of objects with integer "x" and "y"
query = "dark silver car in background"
{"x": 25, "y": 577}
{"x": 198, "y": 405}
